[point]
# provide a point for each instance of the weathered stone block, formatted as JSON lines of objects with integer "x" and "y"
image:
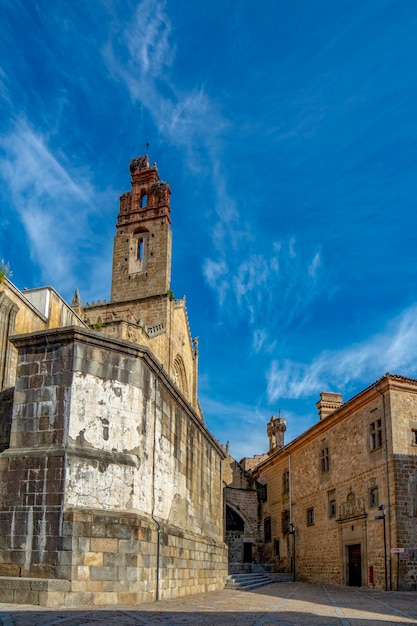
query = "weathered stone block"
{"x": 93, "y": 558}
{"x": 26, "y": 596}
{"x": 6, "y": 595}
{"x": 103, "y": 573}
{"x": 100, "y": 544}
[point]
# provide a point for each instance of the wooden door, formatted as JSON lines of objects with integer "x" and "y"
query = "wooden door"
{"x": 354, "y": 565}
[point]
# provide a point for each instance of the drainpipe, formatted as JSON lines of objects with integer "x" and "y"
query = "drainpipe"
{"x": 387, "y": 479}
{"x": 290, "y": 485}
{"x": 158, "y": 526}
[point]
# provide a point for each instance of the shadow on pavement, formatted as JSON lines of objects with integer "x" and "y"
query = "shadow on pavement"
{"x": 277, "y": 603}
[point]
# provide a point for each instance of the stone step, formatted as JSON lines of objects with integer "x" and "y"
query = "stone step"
{"x": 247, "y": 581}
{"x": 243, "y": 577}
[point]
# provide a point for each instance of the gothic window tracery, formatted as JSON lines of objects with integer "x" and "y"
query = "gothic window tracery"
{"x": 179, "y": 375}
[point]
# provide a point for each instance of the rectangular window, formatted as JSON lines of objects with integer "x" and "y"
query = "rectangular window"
{"x": 375, "y": 434}
{"x": 373, "y": 497}
{"x": 276, "y": 547}
{"x": 331, "y": 500}
{"x": 267, "y": 529}
{"x": 285, "y": 521}
{"x": 286, "y": 482}
{"x": 414, "y": 437}
{"x": 324, "y": 460}
{"x": 263, "y": 493}
{"x": 310, "y": 517}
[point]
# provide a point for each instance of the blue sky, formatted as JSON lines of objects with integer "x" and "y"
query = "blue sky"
{"x": 287, "y": 131}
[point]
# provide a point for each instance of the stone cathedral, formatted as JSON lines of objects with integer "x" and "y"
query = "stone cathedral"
{"x": 112, "y": 489}
{"x": 110, "y": 482}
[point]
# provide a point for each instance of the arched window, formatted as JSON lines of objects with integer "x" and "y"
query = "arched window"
{"x": 143, "y": 201}
{"x": 138, "y": 253}
{"x": 139, "y": 249}
{"x": 180, "y": 376}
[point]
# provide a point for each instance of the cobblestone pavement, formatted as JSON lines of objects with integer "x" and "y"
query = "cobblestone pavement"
{"x": 277, "y": 603}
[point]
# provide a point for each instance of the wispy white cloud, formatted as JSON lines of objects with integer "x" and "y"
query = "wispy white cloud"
{"x": 314, "y": 265}
{"x": 215, "y": 273}
{"x": 141, "y": 59}
{"x": 148, "y": 39}
{"x": 270, "y": 288}
{"x": 245, "y": 425}
{"x": 234, "y": 420}
{"x": 252, "y": 279}
{"x": 53, "y": 203}
{"x": 394, "y": 349}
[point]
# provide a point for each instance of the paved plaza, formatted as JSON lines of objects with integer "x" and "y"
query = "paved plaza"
{"x": 277, "y": 603}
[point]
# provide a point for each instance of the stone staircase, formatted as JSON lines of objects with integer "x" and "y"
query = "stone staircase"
{"x": 248, "y": 581}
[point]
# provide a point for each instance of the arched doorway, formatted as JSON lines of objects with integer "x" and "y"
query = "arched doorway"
{"x": 235, "y": 530}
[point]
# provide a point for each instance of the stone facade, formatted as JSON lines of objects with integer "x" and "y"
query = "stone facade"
{"x": 28, "y": 311}
{"x": 110, "y": 484}
{"x": 142, "y": 308}
{"x": 324, "y": 490}
{"x": 243, "y": 508}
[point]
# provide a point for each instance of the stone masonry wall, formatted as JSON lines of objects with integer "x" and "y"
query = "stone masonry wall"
{"x": 242, "y": 495}
{"x": 6, "y": 409}
{"x": 403, "y": 421}
{"x": 104, "y": 452}
{"x": 171, "y": 342}
{"x": 322, "y": 536}
{"x": 333, "y": 504}
{"x": 32, "y": 468}
{"x": 406, "y": 527}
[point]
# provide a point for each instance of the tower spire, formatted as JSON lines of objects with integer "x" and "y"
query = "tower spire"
{"x": 142, "y": 246}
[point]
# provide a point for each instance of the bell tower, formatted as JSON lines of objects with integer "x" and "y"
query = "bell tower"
{"x": 143, "y": 241}
{"x": 276, "y": 428}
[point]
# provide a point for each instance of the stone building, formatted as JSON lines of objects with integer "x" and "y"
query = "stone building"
{"x": 28, "y": 311}
{"x": 244, "y": 497}
{"x": 110, "y": 482}
{"x": 243, "y": 512}
{"x": 330, "y": 493}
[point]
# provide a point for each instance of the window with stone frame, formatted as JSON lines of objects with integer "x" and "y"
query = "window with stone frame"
{"x": 267, "y": 529}
{"x": 286, "y": 482}
{"x": 375, "y": 434}
{"x": 332, "y": 503}
{"x": 310, "y": 517}
{"x": 324, "y": 460}
{"x": 139, "y": 249}
{"x": 276, "y": 547}
{"x": 373, "y": 497}
{"x": 414, "y": 437}
{"x": 285, "y": 517}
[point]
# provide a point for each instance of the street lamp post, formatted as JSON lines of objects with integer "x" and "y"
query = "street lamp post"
{"x": 292, "y": 532}
{"x": 382, "y": 516}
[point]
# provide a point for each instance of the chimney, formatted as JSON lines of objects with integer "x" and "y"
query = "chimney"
{"x": 328, "y": 403}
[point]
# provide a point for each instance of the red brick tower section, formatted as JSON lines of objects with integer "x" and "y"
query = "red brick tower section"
{"x": 142, "y": 245}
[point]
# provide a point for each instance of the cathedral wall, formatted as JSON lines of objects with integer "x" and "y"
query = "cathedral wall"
{"x": 107, "y": 467}
{"x": 25, "y": 312}
{"x": 6, "y": 410}
{"x": 154, "y": 276}
{"x": 159, "y": 323}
